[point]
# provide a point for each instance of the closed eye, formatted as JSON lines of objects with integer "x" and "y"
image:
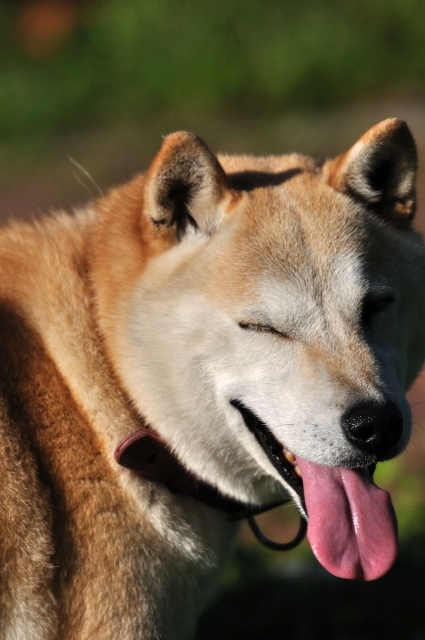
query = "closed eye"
{"x": 265, "y": 328}
{"x": 373, "y": 303}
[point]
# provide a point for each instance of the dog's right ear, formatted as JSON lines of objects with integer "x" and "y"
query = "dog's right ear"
{"x": 184, "y": 186}
{"x": 380, "y": 172}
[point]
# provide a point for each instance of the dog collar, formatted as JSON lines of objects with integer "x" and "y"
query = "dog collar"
{"x": 148, "y": 455}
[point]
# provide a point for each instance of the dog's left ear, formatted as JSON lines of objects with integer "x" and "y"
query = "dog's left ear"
{"x": 380, "y": 171}
{"x": 184, "y": 186}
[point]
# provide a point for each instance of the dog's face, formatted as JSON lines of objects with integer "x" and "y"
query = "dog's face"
{"x": 284, "y": 319}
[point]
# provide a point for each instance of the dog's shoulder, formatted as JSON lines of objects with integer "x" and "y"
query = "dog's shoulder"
{"x": 71, "y": 520}
{"x": 60, "y": 494}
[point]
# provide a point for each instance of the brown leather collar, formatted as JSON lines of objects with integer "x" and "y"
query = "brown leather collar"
{"x": 148, "y": 455}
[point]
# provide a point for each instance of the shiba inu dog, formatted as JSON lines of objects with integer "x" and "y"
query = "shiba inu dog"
{"x": 262, "y": 318}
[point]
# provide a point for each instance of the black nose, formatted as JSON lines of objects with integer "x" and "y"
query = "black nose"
{"x": 374, "y": 427}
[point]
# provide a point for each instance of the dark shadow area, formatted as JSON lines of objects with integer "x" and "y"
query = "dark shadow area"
{"x": 250, "y": 180}
{"x": 318, "y": 606}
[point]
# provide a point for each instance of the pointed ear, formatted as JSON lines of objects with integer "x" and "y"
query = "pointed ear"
{"x": 380, "y": 172}
{"x": 184, "y": 185}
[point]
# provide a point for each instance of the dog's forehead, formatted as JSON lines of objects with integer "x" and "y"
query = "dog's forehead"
{"x": 301, "y": 227}
{"x": 298, "y": 239}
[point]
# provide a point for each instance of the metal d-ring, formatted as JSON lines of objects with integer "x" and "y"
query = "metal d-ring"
{"x": 278, "y": 546}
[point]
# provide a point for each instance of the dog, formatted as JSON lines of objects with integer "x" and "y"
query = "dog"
{"x": 250, "y": 322}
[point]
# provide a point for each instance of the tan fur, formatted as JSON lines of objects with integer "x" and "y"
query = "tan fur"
{"x": 87, "y": 549}
{"x": 79, "y": 528}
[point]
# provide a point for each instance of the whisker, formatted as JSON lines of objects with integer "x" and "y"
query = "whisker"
{"x": 87, "y": 175}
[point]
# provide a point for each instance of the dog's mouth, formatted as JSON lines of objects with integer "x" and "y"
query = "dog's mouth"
{"x": 351, "y": 522}
{"x": 281, "y": 458}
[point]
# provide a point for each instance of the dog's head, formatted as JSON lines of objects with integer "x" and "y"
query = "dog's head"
{"x": 277, "y": 314}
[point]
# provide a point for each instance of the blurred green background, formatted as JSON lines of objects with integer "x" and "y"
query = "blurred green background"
{"x": 99, "y": 83}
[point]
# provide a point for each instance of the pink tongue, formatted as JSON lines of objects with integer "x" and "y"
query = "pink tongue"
{"x": 351, "y": 522}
